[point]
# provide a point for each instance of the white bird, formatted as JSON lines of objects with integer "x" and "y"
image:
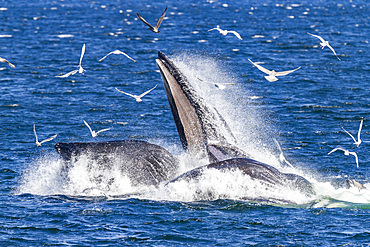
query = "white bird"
{"x": 272, "y": 73}
{"x": 219, "y": 85}
{"x": 93, "y": 133}
{"x": 153, "y": 29}
{"x": 355, "y": 184}
{"x": 3, "y": 60}
{"x": 225, "y": 32}
{"x": 137, "y": 98}
{"x": 358, "y": 141}
{"x": 324, "y": 43}
{"x": 346, "y": 152}
{"x": 117, "y": 52}
{"x": 79, "y": 68}
{"x": 37, "y": 140}
{"x": 281, "y": 156}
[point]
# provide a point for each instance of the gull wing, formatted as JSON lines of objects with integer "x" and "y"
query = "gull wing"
{"x": 6, "y": 61}
{"x": 143, "y": 20}
{"x": 106, "y": 56}
{"x": 354, "y": 154}
{"x": 359, "y": 130}
{"x": 82, "y": 54}
{"x": 260, "y": 67}
{"x": 145, "y": 93}
{"x": 34, "y": 131}
{"x": 236, "y": 34}
{"x": 317, "y": 36}
{"x": 286, "y": 72}
{"x": 88, "y": 126}
{"x": 216, "y": 28}
{"x": 102, "y": 130}
{"x": 49, "y": 139}
{"x": 282, "y": 157}
{"x": 212, "y": 29}
{"x": 121, "y": 52}
{"x": 350, "y": 135}
{"x": 117, "y": 52}
{"x": 278, "y": 145}
{"x": 160, "y": 19}
{"x": 68, "y": 74}
{"x": 335, "y": 149}
{"x": 133, "y": 96}
{"x": 331, "y": 48}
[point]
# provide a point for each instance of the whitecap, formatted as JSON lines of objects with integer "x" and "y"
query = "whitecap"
{"x": 65, "y": 36}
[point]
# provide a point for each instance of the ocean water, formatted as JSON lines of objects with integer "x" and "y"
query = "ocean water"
{"x": 305, "y": 111}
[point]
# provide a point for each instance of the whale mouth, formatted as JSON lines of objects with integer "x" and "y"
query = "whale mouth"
{"x": 198, "y": 124}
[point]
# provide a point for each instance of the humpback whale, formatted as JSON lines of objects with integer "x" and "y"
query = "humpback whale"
{"x": 203, "y": 133}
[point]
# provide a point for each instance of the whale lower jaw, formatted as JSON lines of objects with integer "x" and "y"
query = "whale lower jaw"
{"x": 198, "y": 124}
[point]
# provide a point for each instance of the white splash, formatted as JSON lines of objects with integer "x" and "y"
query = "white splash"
{"x": 45, "y": 175}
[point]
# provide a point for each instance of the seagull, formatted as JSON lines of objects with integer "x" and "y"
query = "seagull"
{"x": 358, "y": 141}
{"x": 324, "y": 43}
{"x": 218, "y": 85}
{"x": 281, "y": 156}
{"x": 117, "y": 52}
{"x": 37, "y": 140}
{"x": 153, "y": 29}
{"x": 3, "y": 60}
{"x": 93, "y": 133}
{"x": 225, "y": 32}
{"x": 346, "y": 152}
{"x": 355, "y": 183}
{"x": 138, "y": 98}
{"x": 272, "y": 73}
{"x": 79, "y": 70}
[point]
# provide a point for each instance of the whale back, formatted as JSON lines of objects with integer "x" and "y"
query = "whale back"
{"x": 144, "y": 163}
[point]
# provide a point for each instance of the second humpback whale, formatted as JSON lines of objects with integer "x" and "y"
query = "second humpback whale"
{"x": 203, "y": 133}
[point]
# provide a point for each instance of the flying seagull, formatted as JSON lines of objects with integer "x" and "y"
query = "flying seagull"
{"x": 3, "y": 60}
{"x": 117, "y": 52}
{"x": 346, "y": 152}
{"x": 355, "y": 183}
{"x": 225, "y": 32}
{"x": 358, "y": 141}
{"x": 37, "y": 140}
{"x": 324, "y": 43}
{"x": 93, "y": 133}
{"x": 220, "y": 85}
{"x": 79, "y": 68}
{"x": 281, "y": 156}
{"x": 153, "y": 29}
{"x": 137, "y": 98}
{"x": 272, "y": 73}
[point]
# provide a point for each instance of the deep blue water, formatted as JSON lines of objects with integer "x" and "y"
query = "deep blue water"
{"x": 305, "y": 111}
